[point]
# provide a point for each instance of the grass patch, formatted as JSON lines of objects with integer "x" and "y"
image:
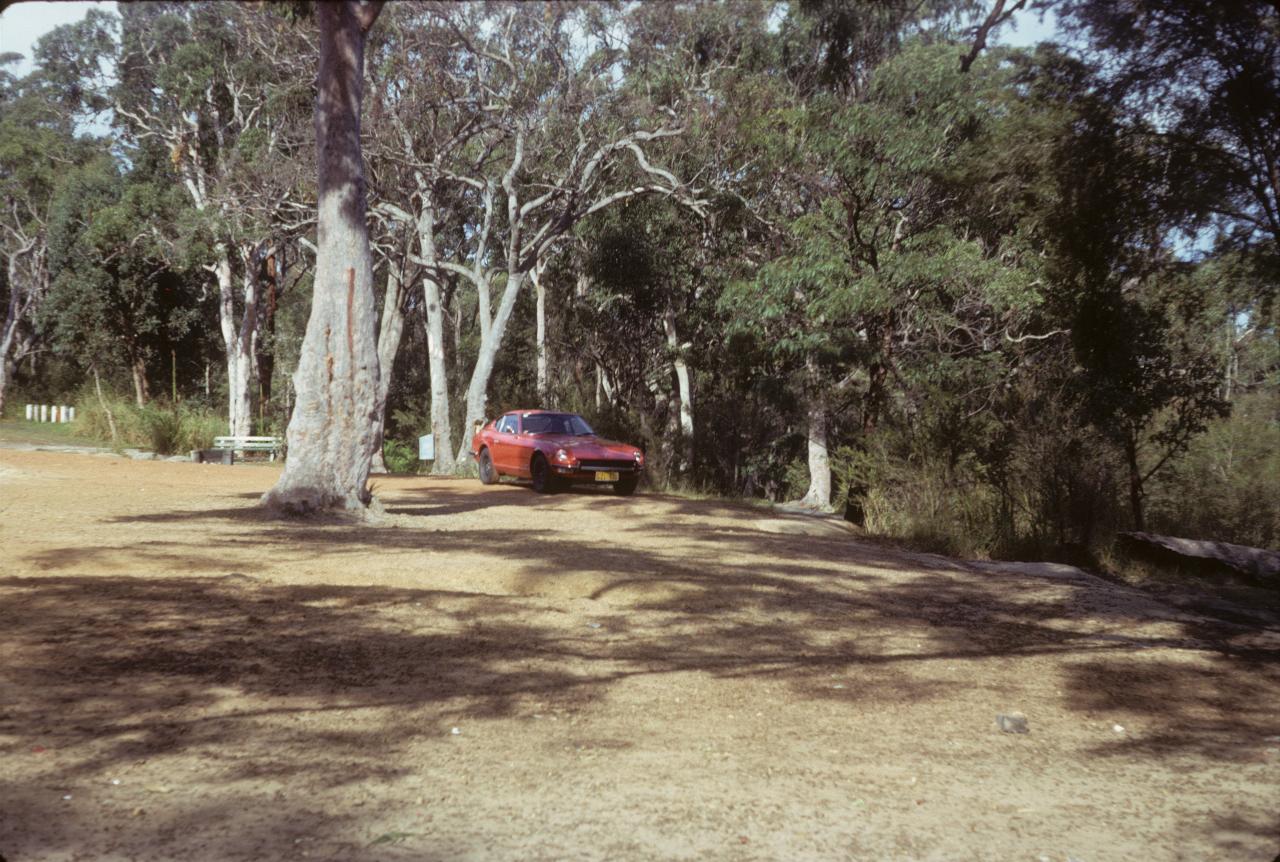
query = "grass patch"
{"x": 23, "y": 432}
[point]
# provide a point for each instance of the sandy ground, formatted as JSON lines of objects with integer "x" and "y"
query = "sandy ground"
{"x": 491, "y": 674}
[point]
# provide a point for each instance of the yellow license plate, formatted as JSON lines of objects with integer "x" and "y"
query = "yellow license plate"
{"x": 606, "y": 477}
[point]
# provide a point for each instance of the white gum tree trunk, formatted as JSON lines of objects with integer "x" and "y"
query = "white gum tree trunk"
{"x": 333, "y": 430}
{"x": 22, "y": 296}
{"x": 478, "y": 390}
{"x": 685, "y": 389}
{"x": 492, "y": 331}
{"x": 390, "y": 332}
{"x": 437, "y": 369}
{"x": 7, "y": 337}
{"x": 444, "y": 462}
{"x": 238, "y": 342}
{"x": 819, "y": 494}
{"x": 540, "y": 295}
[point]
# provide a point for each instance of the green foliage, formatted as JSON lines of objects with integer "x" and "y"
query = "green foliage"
{"x": 400, "y": 457}
{"x": 1021, "y": 305}
{"x": 161, "y": 428}
{"x": 1227, "y": 486}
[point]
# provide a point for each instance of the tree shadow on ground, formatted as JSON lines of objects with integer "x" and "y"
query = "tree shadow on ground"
{"x": 111, "y": 670}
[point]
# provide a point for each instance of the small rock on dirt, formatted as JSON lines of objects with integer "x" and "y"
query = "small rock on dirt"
{"x": 1013, "y": 722}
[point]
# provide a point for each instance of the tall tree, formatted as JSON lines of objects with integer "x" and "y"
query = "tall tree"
{"x": 1210, "y": 74}
{"x": 333, "y": 431}
{"x": 219, "y": 90}
{"x": 114, "y": 301}
{"x": 36, "y": 146}
{"x": 530, "y": 133}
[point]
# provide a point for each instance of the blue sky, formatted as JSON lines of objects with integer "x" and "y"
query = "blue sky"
{"x": 22, "y": 24}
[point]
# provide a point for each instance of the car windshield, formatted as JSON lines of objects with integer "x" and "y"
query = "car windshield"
{"x": 557, "y": 423}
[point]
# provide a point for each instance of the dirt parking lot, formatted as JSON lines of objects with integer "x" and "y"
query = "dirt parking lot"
{"x": 490, "y": 674}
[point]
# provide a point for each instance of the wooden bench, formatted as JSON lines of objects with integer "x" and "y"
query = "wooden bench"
{"x": 249, "y": 444}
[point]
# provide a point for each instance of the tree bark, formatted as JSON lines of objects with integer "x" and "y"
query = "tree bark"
{"x": 106, "y": 408}
{"x": 389, "y": 334}
{"x": 540, "y": 294}
{"x": 6, "y": 340}
{"x": 478, "y": 391}
{"x": 332, "y": 433}
{"x": 1135, "y": 482}
{"x": 269, "y": 302}
{"x": 14, "y": 313}
{"x": 444, "y": 462}
{"x": 239, "y": 365}
{"x": 819, "y": 494}
{"x": 437, "y": 368}
{"x": 686, "y": 392}
{"x": 4, "y": 377}
{"x": 138, "y": 370}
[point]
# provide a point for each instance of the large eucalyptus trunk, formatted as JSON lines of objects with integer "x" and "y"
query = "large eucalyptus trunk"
{"x": 238, "y": 342}
{"x": 478, "y": 391}
{"x": 6, "y": 342}
{"x": 389, "y": 334}
{"x": 444, "y": 462}
{"x": 437, "y": 369}
{"x": 12, "y": 320}
{"x": 540, "y": 295}
{"x": 333, "y": 430}
{"x": 685, "y": 389}
{"x": 819, "y": 494}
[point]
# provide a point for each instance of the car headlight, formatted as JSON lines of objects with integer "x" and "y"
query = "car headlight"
{"x": 563, "y": 456}
{"x": 639, "y": 459}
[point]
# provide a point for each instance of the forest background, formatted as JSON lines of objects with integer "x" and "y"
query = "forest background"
{"x": 990, "y": 300}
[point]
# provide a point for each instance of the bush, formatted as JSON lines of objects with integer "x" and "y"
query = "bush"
{"x": 400, "y": 457}
{"x": 925, "y": 501}
{"x": 1226, "y": 486}
{"x": 164, "y": 429}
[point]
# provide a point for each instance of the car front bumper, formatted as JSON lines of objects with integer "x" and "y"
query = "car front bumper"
{"x": 609, "y": 474}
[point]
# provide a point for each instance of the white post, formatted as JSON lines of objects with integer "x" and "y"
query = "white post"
{"x": 44, "y": 412}
{"x": 71, "y": 411}
{"x": 62, "y": 414}
{"x": 30, "y": 411}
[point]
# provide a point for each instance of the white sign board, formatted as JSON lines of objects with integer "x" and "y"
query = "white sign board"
{"x": 427, "y": 448}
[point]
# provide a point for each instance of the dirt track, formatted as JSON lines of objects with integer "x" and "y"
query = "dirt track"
{"x": 648, "y": 678}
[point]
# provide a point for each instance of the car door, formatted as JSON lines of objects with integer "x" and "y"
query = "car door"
{"x": 503, "y": 444}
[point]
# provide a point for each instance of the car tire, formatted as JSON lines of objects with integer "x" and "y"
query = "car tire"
{"x": 544, "y": 481}
{"x": 488, "y": 473}
{"x": 626, "y": 487}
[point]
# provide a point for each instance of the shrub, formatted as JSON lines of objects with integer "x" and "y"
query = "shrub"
{"x": 1227, "y": 485}
{"x": 162, "y": 428}
{"x": 400, "y": 457}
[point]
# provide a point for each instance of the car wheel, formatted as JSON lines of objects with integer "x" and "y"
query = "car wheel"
{"x": 488, "y": 474}
{"x": 626, "y": 487}
{"x": 544, "y": 482}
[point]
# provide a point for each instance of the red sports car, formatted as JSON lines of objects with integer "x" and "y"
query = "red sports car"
{"x": 553, "y": 449}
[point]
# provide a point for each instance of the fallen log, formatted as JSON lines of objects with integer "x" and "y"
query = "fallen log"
{"x": 1256, "y": 563}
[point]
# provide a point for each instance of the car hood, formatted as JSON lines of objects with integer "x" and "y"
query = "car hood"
{"x": 588, "y": 447}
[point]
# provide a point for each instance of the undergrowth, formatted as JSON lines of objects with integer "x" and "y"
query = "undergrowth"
{"x": 166, "y": 429}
